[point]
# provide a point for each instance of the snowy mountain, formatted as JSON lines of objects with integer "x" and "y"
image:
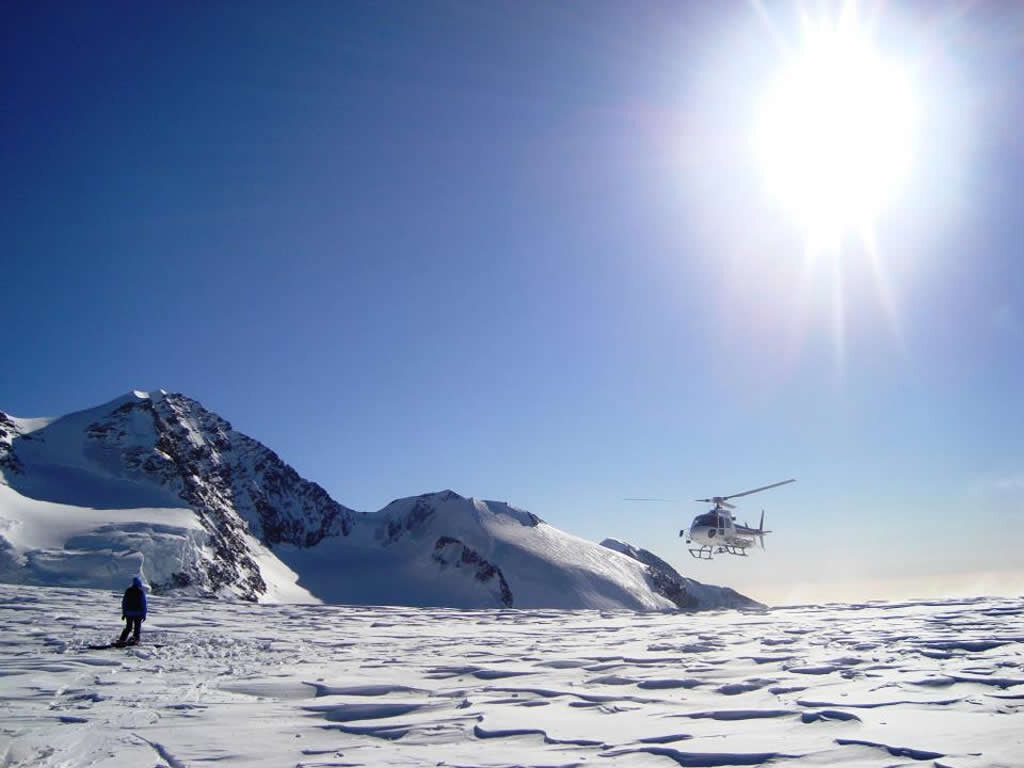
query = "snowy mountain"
{"x": 443, "y": 549}
{"x": 153, "y": 484}
{"x": 157, "y": 454}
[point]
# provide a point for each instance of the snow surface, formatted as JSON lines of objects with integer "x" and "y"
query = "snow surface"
{"x": 937, "y": 683}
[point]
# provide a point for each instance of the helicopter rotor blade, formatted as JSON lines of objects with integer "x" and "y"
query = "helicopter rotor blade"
{"x": 719, "y": 501}
{"x": 758, "y": 490}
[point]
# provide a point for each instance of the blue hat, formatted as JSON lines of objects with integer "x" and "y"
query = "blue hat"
{"x": 137, "y": 582}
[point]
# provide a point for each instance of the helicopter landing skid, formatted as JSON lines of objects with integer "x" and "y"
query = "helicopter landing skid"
{"x": 706, "y": 551}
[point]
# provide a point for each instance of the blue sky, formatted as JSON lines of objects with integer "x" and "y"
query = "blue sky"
{"x": 523, "y": 250}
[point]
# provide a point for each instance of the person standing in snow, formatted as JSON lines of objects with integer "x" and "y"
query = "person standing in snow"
{"x": 133, "y": 610}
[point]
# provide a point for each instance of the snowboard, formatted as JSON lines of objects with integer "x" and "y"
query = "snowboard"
{"x": 116, "y": 644}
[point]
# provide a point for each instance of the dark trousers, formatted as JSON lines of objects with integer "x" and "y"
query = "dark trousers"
{"x": 132, "y": 624}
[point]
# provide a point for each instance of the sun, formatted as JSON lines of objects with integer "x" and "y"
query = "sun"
{"x": 835, "y": 127}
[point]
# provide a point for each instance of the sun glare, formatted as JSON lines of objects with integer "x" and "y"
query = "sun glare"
{"x": 835, "y": 129}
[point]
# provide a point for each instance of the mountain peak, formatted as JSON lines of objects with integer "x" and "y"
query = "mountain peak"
{"x": 450, "y": 505}
{"x": 446, "y": 495}
{"x": 141, "y": 394}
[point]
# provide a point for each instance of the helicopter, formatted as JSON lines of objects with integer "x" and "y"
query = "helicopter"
{"x": 715, "y": 531}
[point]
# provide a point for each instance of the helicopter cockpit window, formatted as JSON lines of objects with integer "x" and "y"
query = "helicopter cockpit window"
{"x": 709, "y": 519}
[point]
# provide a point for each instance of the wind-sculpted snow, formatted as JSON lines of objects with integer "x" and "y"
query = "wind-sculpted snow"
{"x": 238, "y": 684}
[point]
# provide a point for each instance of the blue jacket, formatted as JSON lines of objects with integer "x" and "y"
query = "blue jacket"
{"x": 134, "y": 601}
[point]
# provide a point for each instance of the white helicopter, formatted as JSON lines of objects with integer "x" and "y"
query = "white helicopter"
{"x": 716, "y": 532}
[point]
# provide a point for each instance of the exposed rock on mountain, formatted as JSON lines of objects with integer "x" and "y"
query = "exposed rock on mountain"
{"x": 452, "y": 552}
{"x": 8, "y": 432}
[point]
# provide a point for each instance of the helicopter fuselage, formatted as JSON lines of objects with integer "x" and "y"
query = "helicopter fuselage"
{"x": 716, "y": 531}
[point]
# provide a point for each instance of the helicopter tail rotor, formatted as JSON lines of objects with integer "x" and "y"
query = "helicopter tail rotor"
{"x": 761, "y": 531}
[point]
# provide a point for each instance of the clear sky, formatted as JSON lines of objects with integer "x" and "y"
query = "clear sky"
{"x": 527, "y": 251}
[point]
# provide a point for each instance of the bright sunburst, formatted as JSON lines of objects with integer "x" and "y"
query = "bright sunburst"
{"x": 835, "y": 141}
{"x": 835, "y": 127}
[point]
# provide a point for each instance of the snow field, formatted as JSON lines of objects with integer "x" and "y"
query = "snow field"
{"x": 935, "y": 683}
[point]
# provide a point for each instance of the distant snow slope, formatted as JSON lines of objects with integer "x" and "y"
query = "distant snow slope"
{"x": 154, "y": 484}
{"x": 443, "y": 549}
